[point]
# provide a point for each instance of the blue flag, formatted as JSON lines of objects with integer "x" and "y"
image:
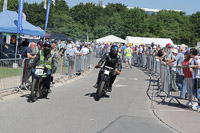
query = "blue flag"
{"x": 47, "y": 15}
{"x": 20, "y": 13}
{"x": 5, "y": 5}
{"x": 87, "y": 37}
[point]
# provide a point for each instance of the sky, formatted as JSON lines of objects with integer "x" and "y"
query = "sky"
{"x": 188, "y": 6}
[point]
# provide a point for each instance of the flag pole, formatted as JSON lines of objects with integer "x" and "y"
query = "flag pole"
{"x": 47, "y": 17}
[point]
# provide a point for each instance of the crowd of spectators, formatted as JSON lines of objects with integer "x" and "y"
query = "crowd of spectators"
{"x": 184, "y": 65}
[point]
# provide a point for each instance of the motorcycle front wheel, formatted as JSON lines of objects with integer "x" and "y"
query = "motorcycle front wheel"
{"x": 100, "y": 90}
{"x": 34, "y": 90}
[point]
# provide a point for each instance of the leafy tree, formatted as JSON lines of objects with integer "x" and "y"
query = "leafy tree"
{"x": 114, "y": 19}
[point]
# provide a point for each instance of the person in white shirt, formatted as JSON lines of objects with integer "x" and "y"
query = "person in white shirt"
{"x": 85, "y": 50}
{"x": 173, "y": 64}
{"x": 195, "y": 69}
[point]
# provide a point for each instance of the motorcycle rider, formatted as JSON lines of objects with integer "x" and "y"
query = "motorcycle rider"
{"x": 111, "y": 59}
{"x": 46, "y": 57}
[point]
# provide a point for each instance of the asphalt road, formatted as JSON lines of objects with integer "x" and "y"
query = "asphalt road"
{"x": 71, "y": 108}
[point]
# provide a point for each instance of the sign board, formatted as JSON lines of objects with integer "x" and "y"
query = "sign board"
{"x": 198, "y": 44}
{"x": 29, "y": 36}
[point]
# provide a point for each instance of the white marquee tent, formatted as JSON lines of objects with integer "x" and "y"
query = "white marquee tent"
{"x": 145, "y": 40}
{"x": 110, "y": 38}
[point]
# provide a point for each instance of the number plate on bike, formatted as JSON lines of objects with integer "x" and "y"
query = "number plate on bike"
{"x": 39, "y": 72}
{"x": 106, "y": 72}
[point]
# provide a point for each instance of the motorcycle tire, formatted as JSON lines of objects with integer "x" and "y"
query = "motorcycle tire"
{"x": 34, "y": 90}
{"x": 100, "y": 91}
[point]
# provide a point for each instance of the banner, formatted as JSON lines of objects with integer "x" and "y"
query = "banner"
{"x": 54, "y": 2}
{"x": 5, "y": 5}
{"x": 47, "y": 15}
{"x": 20, "y": 14}
{"x": 45, "y": 4}
{"x": 87, "y": 37}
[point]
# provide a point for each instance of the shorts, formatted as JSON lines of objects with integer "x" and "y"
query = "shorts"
{"x": 128, "y": 59}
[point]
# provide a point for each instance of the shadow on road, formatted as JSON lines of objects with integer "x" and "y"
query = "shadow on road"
{"x": 94, "y": 95}
{"x": 29, "y": 98}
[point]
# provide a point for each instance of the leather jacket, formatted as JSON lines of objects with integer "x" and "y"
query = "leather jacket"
{"x": 109, "y": 60}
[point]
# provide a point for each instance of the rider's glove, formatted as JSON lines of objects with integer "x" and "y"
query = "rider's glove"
{"x": 118, "y": 72}
{"x": 96, "y": 66}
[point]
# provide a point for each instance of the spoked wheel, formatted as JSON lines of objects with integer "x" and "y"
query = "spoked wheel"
{"x": 100, "y": 91}
{"x": 34, "y": 90}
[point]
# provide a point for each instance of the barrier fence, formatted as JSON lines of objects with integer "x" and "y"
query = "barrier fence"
{"x": 15, "y": 74}
{"x": 174, "y": 82}
{"x": 10, "y": 72}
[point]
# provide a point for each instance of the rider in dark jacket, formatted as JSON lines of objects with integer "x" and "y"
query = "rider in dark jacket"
{"x": 111, "y": 59}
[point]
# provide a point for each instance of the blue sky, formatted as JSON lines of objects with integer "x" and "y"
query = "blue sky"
{"x": 188, "y": 6}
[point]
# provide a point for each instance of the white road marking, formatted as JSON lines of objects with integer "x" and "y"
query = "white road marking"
{"x": 133, "y": 79}
{"x": 118, "y": 85}
{"x": 122, "y": 78}
{"x": 172, "y": 110}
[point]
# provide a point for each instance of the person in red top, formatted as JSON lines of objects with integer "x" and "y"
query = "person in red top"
{"x": 188, "y": 77}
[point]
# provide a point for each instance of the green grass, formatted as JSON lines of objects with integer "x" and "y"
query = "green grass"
{"x": 9, "y": 72}
{"x": 65, "y": 69}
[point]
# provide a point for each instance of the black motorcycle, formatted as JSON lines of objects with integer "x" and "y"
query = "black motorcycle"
{"x": 38, "y": 88}
{"x": 104, "y": 82}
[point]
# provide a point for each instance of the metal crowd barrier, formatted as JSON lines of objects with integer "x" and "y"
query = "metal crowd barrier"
{"x": 76, "y": 65}
{"x": 172, "y": 81}
{"x": 15, "y": 73}
{"x": 10, "y": 73}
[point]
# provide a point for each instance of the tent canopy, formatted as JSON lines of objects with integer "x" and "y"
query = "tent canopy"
{"x": 9, "y": 21}
{"x": 145, "y": 40}
{"x": 111, "y": 38}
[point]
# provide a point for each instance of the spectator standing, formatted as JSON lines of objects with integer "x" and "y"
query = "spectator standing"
{"x": 169, "y": 54}
{"x": 173, "y": 64}
{"x": 195, "y": 64}
{"x": 68, "y": 48}
{"x": 128, "y": 54}
{"x": 71, "y": 58}
{"x": 179, "y": 71}
{"x": 84, "y": 51}
{"x": 123, "y": 48}
{"x": 188, "y": 78}
{"x": 27, "y": 53}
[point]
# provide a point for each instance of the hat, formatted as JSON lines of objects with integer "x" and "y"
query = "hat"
{"x": 78, "y": 46}
{"x": 175, "y": 51}
{"x": 168, "y": 44}
{"x": 171, "y": 46}
{"x": 183, "y": 45}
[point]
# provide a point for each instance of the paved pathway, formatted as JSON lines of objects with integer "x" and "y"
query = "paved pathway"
{"x": 71, "y": 108}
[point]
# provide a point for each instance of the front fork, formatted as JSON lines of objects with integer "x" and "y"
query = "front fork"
{"x": 107, "y": 81}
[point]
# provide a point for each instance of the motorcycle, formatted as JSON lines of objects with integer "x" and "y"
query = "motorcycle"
{"x": 104, "y": 82}
{"x": 38, "y": 88}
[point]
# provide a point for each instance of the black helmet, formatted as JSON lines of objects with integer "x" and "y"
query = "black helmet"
{"x": 47, "y": 49}
{"x": 114, "y": 50}
{"x": 47, "y": 44}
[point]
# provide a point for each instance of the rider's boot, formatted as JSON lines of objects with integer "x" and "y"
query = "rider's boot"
{"x": 109, "y": 88}
{"x": 96, "y": 85}
{"x": 49, "y": 90}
